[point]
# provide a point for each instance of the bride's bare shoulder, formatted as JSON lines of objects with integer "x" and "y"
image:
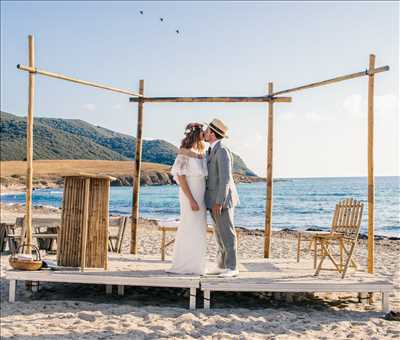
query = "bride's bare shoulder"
{"x": 185, "y": 152}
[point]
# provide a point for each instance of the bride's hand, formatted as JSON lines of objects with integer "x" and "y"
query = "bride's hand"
{"x": 194, "y": 205}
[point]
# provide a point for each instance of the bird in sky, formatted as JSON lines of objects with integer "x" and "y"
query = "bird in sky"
{"x": 177, "y": 31}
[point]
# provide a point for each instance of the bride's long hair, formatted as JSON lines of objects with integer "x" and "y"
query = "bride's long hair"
{"x": 194, "y": 137}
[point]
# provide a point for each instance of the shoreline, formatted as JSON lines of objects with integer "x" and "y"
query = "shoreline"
{"x": 50, "y": 173}
{"x": 250, "y": 231}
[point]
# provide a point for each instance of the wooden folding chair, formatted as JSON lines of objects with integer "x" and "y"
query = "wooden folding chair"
{"x": 3, "y": 236}
{"x": 345, "y": 230}
{"x": 45, "y": 239}
{"x": 308, "y": 235}
{"x": 16, "y": 233}
{"x": 115, "y": 240}
{"x": 46, "y": 231}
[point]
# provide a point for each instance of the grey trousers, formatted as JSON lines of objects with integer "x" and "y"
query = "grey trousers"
{"x": 225, "y": 236}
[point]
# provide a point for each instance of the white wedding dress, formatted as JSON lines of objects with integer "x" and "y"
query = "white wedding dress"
{"x": 189, "y": 255}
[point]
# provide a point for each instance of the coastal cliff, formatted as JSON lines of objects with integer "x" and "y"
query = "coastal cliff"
{"x": 49, "y": 173}
{"x": 74, "y": 139}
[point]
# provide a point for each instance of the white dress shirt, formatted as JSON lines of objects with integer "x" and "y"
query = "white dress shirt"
{"x": 214, "y": 144}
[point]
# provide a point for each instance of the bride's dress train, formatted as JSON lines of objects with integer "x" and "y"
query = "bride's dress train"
{"x": 189, "y": 255}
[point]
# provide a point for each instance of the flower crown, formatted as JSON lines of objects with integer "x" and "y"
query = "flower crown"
{"x": 192, "y": 127}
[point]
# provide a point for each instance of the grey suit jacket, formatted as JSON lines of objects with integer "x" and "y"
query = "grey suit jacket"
{"x": 221, "y": 188}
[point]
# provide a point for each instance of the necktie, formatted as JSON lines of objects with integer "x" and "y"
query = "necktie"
{"x": 209, "y": 151}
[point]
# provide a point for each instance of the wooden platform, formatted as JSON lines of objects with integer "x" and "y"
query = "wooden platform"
{"x": 127, "y": 270}
{"x": 265, "y": 275}
{"x": 255, "y": 276}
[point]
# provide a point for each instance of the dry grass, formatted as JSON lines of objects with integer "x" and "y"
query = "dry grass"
{"x": 68, "y": 166}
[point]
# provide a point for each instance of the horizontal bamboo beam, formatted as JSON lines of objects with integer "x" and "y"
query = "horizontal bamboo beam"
{"x": 262, "y": 99}
{"x": 334, "y": 80}
{"x": 74, "y": 80}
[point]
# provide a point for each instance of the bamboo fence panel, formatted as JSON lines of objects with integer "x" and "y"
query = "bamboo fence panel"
{"x": 84, "y": 229}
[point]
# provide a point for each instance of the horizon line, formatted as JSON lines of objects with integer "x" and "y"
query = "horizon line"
{"x": 314, "y": 177}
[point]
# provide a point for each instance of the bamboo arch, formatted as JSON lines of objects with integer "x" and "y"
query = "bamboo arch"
{"x": 270, "y": 98}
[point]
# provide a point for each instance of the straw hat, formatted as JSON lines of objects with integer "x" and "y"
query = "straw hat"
{"x": 219, "y": 127}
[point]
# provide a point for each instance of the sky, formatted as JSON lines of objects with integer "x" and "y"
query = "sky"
{"x": 223, "y": 49}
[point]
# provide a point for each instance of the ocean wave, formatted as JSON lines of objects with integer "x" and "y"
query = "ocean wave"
{"x": 58, "y": 193}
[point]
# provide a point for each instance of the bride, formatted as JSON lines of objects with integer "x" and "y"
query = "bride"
{"x": 190, "y": 171}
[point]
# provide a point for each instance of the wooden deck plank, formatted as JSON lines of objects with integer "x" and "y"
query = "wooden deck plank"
{"x": 257, "y": 275}
{"x": 104, "y": 278}
{"x": 290, "y": 276}
{"x": 265, "y": 275}
{"x": 123, "y": 270}
{"x": 295, "y": 287}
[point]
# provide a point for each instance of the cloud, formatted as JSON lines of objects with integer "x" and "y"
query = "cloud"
{"x": 317, "y": 117}
{"x": 287, "y": 116}
{"x": 357, "y": 105}
{"x": 386, "y": 102}
{"x": 246, "y": 145}
{"x": 117, "y": 107}
{"x": 353, "y": 105}
{"x": 258, "y": 137}
{"x": 310, "y": 115}
{"x": 89, "y": 107}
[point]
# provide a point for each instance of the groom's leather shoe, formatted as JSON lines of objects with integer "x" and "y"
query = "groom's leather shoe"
{"x": 229, "y": 273}
{"x": 215, "y": 271}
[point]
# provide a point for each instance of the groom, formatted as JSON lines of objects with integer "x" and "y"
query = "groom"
{"x": 221, "y": 198}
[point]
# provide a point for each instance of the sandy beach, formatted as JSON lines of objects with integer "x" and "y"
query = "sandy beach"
{"x": 67, "y": 311}
{"x": 116, "y": 102}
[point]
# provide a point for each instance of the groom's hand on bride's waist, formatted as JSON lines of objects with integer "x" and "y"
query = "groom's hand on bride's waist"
{"x": 217, "y": 209}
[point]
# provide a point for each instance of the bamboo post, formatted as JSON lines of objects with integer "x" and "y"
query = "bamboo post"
{"x": 138, "y": 163}
{"x": 29, "y": 144}
{"x": 268, "y": 207}
{"x": 371, "y": 163}
{"x": 85, "y": 223}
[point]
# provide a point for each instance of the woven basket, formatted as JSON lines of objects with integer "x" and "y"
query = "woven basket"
{"x": 19, "y": 264}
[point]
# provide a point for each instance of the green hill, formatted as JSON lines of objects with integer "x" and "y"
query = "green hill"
{"x": 56, "y": 138}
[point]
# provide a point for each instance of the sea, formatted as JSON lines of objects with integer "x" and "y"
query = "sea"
{"x": 298, "y": 203}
